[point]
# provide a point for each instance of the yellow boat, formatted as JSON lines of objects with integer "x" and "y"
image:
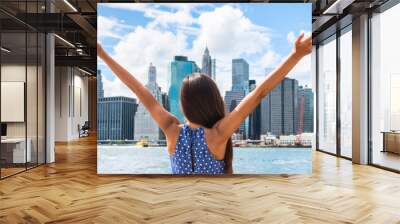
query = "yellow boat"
{"x": 142, "y": 143}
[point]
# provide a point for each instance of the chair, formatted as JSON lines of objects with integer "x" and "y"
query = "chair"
{"x": 84, "y": 130}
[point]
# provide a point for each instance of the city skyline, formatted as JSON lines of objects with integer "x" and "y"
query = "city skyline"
{"x": 199, "y": 69}
{"x": 137, "y": 34}
{"x": 287, "y": 110}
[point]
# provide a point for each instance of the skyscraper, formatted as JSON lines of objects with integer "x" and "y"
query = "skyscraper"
{"x": 240, "y": 75}
{"x": 240, "y": 82}
{"x": 206, "y": 66}
{"x": 290, "y": 106}
{"x": 306, "y": 103}
{"x": 266, "y": 114}
{"x": 165, "y": 101}
{"x": 233, "y": 96}
{"x": 152, "y": 75}
{"x": 145, "y": 126}
{"x": 100, "y": 90}
{"x": 213, "y": 69}
{"x": 265, "y": 109}
{"x": 279, "y": 109}
{"x": 254, "y": 127}
{"x": 180, "y": 68}
{"x": 116, "y": 118}
{"x": 240, "y": 87}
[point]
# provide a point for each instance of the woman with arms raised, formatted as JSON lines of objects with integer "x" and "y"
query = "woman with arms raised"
{"x": 202, "y": 145}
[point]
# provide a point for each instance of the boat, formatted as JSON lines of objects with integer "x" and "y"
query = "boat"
{"x": 142, "y": 143}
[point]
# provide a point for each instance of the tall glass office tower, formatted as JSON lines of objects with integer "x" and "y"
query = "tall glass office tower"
{"x": 254, "y": 124}
{"x": 240, "y": 87}
{"x": 279, "y": 109}
{"x": 240, "y": 74}
{"x": 116, "y": 118}
{"x": 213, "y": 69}
{"x": 100, "y": 90}
{"x": 240, "y": 82}
{"x": 306, "y": 108}
{"x": 180, "y": 68}
{"x": 145, "y": 126}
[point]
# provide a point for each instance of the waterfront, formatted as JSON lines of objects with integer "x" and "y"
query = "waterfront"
{"x": 112, "y": 159}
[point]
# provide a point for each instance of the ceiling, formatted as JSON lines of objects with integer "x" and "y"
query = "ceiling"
{"x": 331, "y": 15}
{"x": 74, "y": 22}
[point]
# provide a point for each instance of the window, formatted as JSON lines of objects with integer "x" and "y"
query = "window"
{"x": 22, "y": 76}
{"x": 346, "y": 93}
{"x": 385, "y": 89}
{"x": 327, "y": 95}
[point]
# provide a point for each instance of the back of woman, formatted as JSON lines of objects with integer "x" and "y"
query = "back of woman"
{"x": 204, "y": 111}
{"x": 192, "y": 155}
{"x": 203, "y": 107}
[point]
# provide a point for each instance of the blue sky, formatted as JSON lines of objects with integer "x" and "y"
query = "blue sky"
{"x": 261, "y": 33}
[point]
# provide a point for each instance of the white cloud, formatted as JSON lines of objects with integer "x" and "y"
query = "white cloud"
{"x": 270, "y": 59}
{"x": 224, "y": 75}
{"x": 153, "y": 9}
{"x": 263, "y": 65}
{"x": 115, "y": 88}
{"x": 177, "y": 13}
{"x": 154, "y": 43}
{"x": 140, "y": 7}
{"x": 110, "y": 27}
{"x": 226, "y": 31}
{"x": 302, "y": 71}
{"x": 144, "y": 46}
{"x": 180, "y": 17}
{"x": 291, "y": 37}
{"x": 228, "y": 34}
{"x": 304, "y": 66}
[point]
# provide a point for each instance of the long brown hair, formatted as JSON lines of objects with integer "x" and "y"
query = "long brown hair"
{"x": 202, "y": 104}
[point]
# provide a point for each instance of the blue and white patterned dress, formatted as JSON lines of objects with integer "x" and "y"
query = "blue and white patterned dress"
{"x": 192, "y": 155}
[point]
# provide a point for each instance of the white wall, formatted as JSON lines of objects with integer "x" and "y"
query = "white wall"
{"x": 71, "y": 102}
{"x": 61, "y": 103}
{"x": 80, "y": 103}
{"x": 33, "y": 126}
{"x": 15, "y": 73}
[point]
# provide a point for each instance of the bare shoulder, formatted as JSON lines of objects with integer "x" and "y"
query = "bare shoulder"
{"x": 215, "y": 142}
{"x": 171, "y": 136}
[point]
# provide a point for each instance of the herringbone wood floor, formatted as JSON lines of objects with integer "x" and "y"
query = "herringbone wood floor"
{"x": 70, "y": 191}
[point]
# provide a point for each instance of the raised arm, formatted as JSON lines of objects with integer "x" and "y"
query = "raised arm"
{"x": 226, "y": 126}
{"x": 164, "y": 119}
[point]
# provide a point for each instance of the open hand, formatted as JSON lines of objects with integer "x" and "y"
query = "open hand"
{"x": 302, "y": 46}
